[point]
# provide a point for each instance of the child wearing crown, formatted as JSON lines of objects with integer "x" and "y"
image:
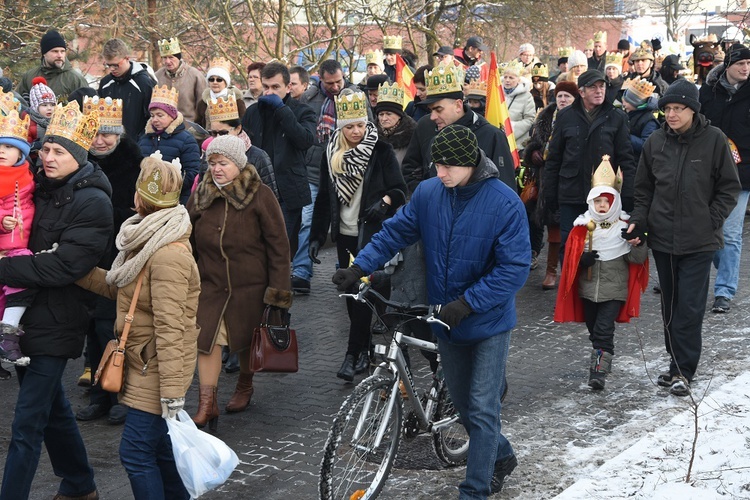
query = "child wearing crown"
{"x": 16, "y": 214}
{"x": 603, "y": 275}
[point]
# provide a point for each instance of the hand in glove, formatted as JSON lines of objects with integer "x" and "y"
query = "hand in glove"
{"x": 537, "y": 158}
{"x": 632, "y": 232}
{"x": 454, "y": 312}
{"x": 170, "y": 407}
{"x": 271, "y": 100}
{"x": 345, "y": 278}
{"x": 588, "y": 259}
{"x": 313, "y": 250}
{"x": 377, "y": 211}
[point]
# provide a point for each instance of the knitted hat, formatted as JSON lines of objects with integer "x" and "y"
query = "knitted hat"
{"x": 455, "y": 146}
{"x": 737, "y": 52}
{"x": 639, "y": 91}
{"x": 220, "y": 67}
{"x": 165, "y": 98}
{"x": 569, "y": 87}
{"x": 526, "y": 47}
{"x": 40, "y": 93}
{"x": 577, "y": 58}
{"x": 390, "y": 98}
{"x": 681, "y": 92}
{"x": 230, "y": 147}
{"x": 52, "y": 40}
{"x": 73, "y": 130}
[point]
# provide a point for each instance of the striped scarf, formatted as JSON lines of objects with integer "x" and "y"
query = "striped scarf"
{"x": 354, "y": 164}
{"x": 327, "y": 119}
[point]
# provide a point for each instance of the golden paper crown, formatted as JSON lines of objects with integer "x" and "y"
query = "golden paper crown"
{"x": 392, "y": 42}
{"x": 11, "y": 125}
{"x": 642, "y": 88}
{"x": 169, "y": 47}
{"x": 514, "y": 67}
{"x": 151, "y": 189}
{"x": 110, "y": 110}
{"x": 220, "y": 62}
{"x": 541, "y": 71}
{"x": 600, "y": 36}
{"x": 590, "y": 44}
{"x": 605, "y": 175}
{"x": 391, "y": 92}
{"x": 565, "y": 51}
{"x": 374, "y": 57}
{"x": 351, "y": 107}
{"x": 613, "y": 58}
{"x": 8, "y": 102}
{"x": 642, "y": 53}
{"x": 165, "y": 95}
{"x": 475, "y": 89}
{"x": 223, "y": 109}
{"x": 70, "y": 123}
{"x": 443, "y": 80}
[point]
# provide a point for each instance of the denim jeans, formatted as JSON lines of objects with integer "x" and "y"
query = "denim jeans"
{"x": 43, "y": 414}
{"x": 475, "y": 374}
{"x": 301, "y": 263}
{"x": 146, "y": 453}
{"x": 727, "y": 260}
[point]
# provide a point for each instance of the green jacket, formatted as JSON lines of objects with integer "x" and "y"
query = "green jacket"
{"x": 62, "y": 81}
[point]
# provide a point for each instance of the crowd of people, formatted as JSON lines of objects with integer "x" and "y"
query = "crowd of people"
{"x": 188, "y": 206}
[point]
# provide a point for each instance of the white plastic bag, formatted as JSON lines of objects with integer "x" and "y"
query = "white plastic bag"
{"x": 203, "y": 461}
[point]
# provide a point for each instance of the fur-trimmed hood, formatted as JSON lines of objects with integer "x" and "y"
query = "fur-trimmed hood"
{"x": 171, "y": 129}
{"x": 713, "y": 76}
{"x": 400, "y": 137}
{"x": 239, "y": 193}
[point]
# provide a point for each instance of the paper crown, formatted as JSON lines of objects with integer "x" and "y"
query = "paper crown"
{"x": 8, "y": 102}
{"x": 350, "y": 108}
{"x": 600, "y": 36}
{"x": 590, "y": 44}
{"x": 392, "y": 42}
{"x": 565, "y": 51}
{"x": 540, "y": 70}
{"x": 70, "y": 123}
{"x": 514, "y": 67}
{"x": 606, "y": 176}
{"x": 374, "y": 57}
{"x": 642, "y": 53}
{"x": 641, "y": 88}
{"x": 169, "y": 47}
{"x": 442, "y": 80}
{"x": 391, "y": 92}
{"x": 223, "y": 109}
{"x": 11, "y": 125}
{"x": 165, "y": 95}
{"x": 220, "y": 62}
{"x": 151, "y": 190}
{"x": 475, "y": 90}
{"x": 110, "y": 110}
{"x": 613, "y": 59}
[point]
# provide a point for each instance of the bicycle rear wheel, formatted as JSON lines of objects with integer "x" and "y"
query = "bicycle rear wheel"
{"x": 451, "y": 442}
{"x": 352, "y": 462}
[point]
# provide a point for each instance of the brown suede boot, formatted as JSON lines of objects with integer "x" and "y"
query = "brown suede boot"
{"x": 553, "y": 257}
{"x": 242, "y": 394}
{"x": 208, "y": 408}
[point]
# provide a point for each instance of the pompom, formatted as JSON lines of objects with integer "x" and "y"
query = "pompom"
{"x": 38, "y": 80}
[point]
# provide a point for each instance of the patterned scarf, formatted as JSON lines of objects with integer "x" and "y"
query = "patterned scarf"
{"x": 354, "y": 163}
{"x": 327, "y": 120}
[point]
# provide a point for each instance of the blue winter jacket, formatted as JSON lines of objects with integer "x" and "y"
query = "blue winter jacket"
{"x": 175, "y": 142}
{"x": 476, "y": 244}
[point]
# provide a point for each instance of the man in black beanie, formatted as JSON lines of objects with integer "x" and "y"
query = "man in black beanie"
{"x": 725, "y": 100}
{"x": 54, "y": 67}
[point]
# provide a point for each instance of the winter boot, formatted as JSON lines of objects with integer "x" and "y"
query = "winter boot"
{"x": 9, "y": 348}
{"x": 346, "y": 371}
{"x": 242, "y": 393}
{"x": 208, "y": 408}
{"x": 553, "y": 257}
{"x": 601, "y": 365}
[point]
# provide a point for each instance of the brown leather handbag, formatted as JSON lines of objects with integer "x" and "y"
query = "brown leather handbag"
{"x": 274, "y": 347}
{"x": 111, "y": 371}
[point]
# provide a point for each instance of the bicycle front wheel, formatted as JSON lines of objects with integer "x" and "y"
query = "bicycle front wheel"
{"x": 355, "y": 464}
{"x": 451, "y": 442}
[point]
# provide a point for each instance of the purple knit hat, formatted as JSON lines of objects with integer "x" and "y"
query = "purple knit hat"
{"x": 170, "y": 110}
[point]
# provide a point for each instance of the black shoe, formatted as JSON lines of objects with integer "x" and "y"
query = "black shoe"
{"x": 363, "y": 362}
{"x": 300, "y": 286}
{"x": 721, "y": 305}
{"x": 503, "y": 468}
{"x": 92, "y": 412}
{"x": 597, "y": 380}
{"x": 664, "y": 379}
{"x": 117, "y": 414}
{"x": 346, "y": 371}
{"x": 233, "y": 364}
{"x": 4, "y": 374}
{"x": 680, "y": 386}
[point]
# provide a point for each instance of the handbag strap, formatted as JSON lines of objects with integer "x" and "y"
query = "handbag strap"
{"x": 131, "y": 311}
{"x": 267, "y": 313}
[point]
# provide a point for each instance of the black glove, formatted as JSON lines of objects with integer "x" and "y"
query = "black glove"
{"x": 345, "y": 278}
{"x": 454, "y": 312}
{"x": 313, "y": 250}
{"x": 635, "y": 233}
{"x": 588, "y": 259}
{"x": 377, "y": 211}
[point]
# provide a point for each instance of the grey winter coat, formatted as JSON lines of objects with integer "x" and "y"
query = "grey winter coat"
{"x": 609, "y": 278}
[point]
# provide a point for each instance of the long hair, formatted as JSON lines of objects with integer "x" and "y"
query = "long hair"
{"x": 337, "y": 158}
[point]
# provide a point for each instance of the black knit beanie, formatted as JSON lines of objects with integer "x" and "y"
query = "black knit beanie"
{"x": 681, "y": 92}
{"x": 78, "y": 152}
{"x": 52, "y": 40}
{"x": 737, "y": 52}
{"x": 455, "y": 146}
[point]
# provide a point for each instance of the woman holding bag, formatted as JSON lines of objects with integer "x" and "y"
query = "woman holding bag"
{"x": 155, "y": 269}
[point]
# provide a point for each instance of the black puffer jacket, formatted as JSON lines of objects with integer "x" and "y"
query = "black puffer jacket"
{"x": 75, "y": 215}
{"x": 134, "y": 88}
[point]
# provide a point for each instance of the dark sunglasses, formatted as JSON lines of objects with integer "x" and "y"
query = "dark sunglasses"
{"x": 215, "y": 79}
{"x": 215, "y": 133}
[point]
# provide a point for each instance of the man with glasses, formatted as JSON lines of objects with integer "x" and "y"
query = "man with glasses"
{"x": 127, "y": 80}
{"x": 685, "y": 187}
{"x": 444, "y": 55}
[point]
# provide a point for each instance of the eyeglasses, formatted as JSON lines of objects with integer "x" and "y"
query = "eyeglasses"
{"x": 215, "y": 133}
{"x": 674, "y": 109}
{"x": 215, "y": 79}
{"x": 114, "y": 65}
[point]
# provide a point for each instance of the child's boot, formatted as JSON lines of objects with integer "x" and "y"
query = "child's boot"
{"x": 601, "y": 365}
{"x": 10, "y": 351}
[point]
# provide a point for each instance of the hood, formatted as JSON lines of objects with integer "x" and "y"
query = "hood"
{"x": 713, "y": 76}
{"x": 700, "y": 123}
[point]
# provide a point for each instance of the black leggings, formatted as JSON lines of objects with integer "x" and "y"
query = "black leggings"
{"x": 360, "y": 314}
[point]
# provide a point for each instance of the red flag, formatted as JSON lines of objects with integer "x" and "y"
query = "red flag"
{"x": 497, "y": 110}
{"x": 405, "y": 77}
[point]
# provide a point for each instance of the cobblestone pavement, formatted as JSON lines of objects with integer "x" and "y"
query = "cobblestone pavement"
{"x": 550, "y": 415}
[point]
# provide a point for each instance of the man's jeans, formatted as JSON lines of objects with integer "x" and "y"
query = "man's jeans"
{"x": 727, "y": 260}
{"x": 43, "y": 414}
{"x": 146, "y": 453}
{"x": 301, "y": 264}
{"x": 475, "y": 374}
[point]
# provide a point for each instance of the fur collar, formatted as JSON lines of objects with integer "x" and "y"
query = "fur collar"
{"x": 170, "y": 129}
{"x": 239, "y": 193}
{"x": 399, "y": 138}
{"x": 206, "y": 95}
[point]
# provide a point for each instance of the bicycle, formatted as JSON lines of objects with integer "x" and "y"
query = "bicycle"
{"x": 366, "y": 432}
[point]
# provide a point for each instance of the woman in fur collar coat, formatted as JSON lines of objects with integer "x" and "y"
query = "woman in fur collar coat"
{"x": 395, "y": 127}
{"x": 244, "y": 266}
